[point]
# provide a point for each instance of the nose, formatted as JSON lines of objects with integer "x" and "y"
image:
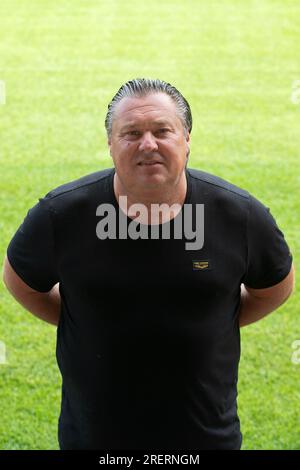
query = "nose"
{"x": 148, "y": 142}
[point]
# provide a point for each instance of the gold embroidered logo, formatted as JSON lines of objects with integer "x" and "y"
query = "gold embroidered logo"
{"x": 201, "y": 265}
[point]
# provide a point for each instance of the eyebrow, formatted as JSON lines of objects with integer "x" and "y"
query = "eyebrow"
{"x": 131, "y": 125}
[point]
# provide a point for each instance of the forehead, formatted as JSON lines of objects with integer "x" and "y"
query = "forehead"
{"x": 146, "y": 108}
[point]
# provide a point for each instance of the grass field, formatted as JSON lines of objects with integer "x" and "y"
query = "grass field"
{"x": 235, "y": 61}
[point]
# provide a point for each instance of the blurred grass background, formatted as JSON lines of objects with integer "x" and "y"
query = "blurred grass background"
{"x": 235, "y": 61}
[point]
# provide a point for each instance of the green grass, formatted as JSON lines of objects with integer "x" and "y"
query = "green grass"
{"x": 235, "y": 61}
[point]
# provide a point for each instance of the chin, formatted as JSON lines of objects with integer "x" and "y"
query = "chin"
{"x": 156, "y": 181}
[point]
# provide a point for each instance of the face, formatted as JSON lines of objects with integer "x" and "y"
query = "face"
{"x": 148, "y": 145}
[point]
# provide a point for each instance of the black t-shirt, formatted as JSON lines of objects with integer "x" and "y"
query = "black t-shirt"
{"x": 148, "y": 340}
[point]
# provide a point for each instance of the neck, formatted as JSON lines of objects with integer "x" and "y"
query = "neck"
{"x": 151, "y": 200}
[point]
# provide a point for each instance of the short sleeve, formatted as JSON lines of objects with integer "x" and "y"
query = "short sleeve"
{"x": 31, "y": 251}
{"x": 269, "y": 258}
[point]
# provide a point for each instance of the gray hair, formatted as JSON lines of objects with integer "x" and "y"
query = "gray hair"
{"x": 140, "y": 87}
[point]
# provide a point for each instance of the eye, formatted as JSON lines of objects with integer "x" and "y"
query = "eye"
{"x": 163, "y": 130}
{"x": 134, "y": 133}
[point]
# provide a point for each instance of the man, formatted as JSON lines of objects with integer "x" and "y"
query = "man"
{"x": 148, "y": 325}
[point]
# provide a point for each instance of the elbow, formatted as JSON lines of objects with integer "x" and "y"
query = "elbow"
{"x": 4, "y": 273}
{"x": 293, "y": 282}
{"x": 289, "y": 287}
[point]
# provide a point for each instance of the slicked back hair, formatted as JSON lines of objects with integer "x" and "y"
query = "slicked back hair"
{"x": 140, "y": 87}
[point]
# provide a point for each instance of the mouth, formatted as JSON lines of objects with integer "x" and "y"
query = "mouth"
{"x": 149, "y": 163}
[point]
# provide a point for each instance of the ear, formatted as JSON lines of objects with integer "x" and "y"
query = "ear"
{"x": 109, "y": 144}
{"x": 188, "y": 141}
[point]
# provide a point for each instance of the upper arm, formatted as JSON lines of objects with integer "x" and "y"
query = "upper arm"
{"x": 279, "y": 292}
{"x": 269, "y": 259}
{"x": 44, "y": 305}
{"x": 31, "y": 257}
{"x": 16, "y": 286}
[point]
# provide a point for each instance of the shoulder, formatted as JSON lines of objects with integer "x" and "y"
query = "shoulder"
{"x": 80, "y": 193}
{"x": 82, "y": 184}
{"x": 229, "y": 199}
{"x": 225, "y": 200}
{"x": 216, "y": 185}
